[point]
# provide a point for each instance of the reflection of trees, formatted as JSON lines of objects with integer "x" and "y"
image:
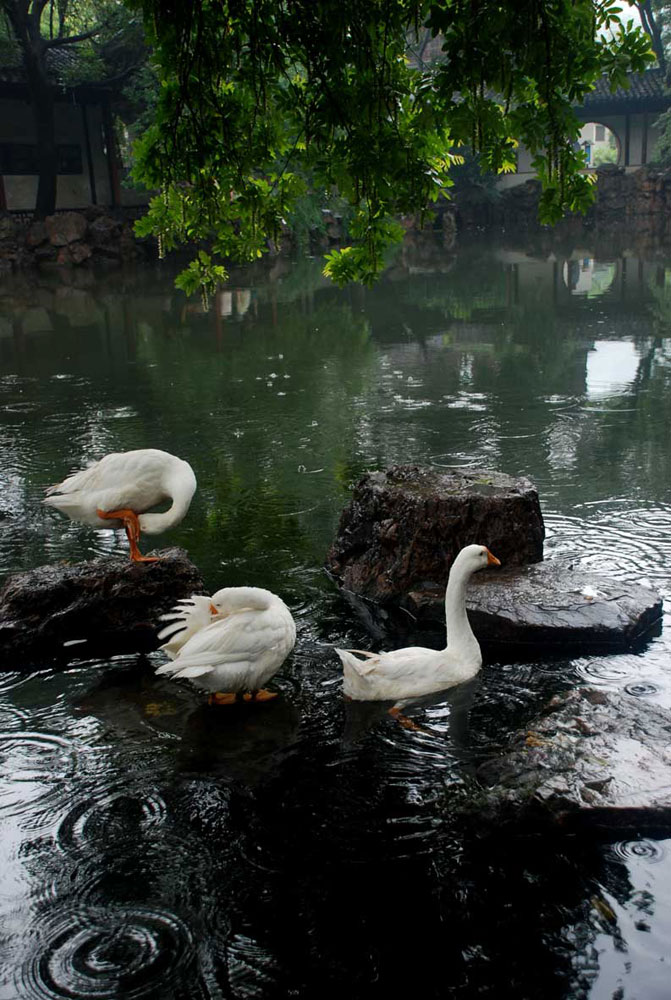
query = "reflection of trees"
{"x": 258, "y": 412}
{"x": 480, "y": 348}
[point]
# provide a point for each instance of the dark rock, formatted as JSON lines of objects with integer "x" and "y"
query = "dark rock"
{"x": 403, "y": 527}
{"x": 79, "y": 252}
{"x": 8, "y": 228}
{"x": 112, "y": 604}
{"x": 65, "y": 227}
{"x": 595, "y": 759}
{"x": 104, "y": 230}
{"x": 37, "y": 234}
{"x": 548, "y": 606}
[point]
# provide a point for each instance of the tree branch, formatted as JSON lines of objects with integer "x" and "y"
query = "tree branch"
{"x": 53, "y": 43}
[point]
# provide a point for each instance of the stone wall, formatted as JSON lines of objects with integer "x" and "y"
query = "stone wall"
{"x": 70, "y": 238}
{"x": 637, "y": 203}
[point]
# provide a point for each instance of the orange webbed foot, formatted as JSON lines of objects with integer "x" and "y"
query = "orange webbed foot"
{"x": 260, "y": 695}
{"x": 403, "y": 720}
{"x": 222, "y": 698}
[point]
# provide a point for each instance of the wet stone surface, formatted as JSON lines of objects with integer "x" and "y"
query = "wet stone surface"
{"x": 594, "y": 759}
{"x": 548, "y": 606}
{"x": 112, "y": 604}
{"x": 404, "y": 527}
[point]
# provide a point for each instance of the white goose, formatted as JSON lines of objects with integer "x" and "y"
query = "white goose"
{"x": 229, "y": 644}
{"x": 403, "y": 674}
{"x": 117, "y": 491}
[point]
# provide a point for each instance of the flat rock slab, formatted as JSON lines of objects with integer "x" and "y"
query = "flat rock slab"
{"x": 404, "y": 527}
{"x": 113, "y": 605}
{"x": 547, "y": 607}
{"x": 595, "y": 759}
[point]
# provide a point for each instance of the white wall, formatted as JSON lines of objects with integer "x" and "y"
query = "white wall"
{"x": 617, "y": 124}
{"x": 73, "y": 190}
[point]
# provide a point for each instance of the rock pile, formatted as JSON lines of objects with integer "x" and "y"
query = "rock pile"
{"x": 593, "y": 759}
{"x": 638, "y": 202}
{"x": 70, "y": 238}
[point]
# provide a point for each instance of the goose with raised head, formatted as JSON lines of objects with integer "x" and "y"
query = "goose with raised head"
{"x": 229, "y": 644}
{"x": 120, "y": 490}
{"x": 403, "y": 674}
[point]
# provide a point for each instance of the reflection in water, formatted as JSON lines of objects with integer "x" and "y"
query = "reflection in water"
{"x": 155, "y": 846}
{"x": 612, "y": 367}
{"x": 588, "y": 276}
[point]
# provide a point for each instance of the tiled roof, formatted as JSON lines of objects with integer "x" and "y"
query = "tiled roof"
{"x": 644, "y": 88}
{"x": 58, "y": 61}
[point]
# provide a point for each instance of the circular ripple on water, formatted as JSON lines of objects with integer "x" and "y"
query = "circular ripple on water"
{"x": 174, "y": 868}
{"x": 631, "y": 545}
{"x": 641, "y": 689}
{"x": 11, "y": 718}
{"x": 608, "y": 671}
{"x": 12, "y": 679}
{"x": 110, "y": 953}
{"x": 37, "y": 769}
{"x": 114, "y": 813}
{"x": 648, "y": 850}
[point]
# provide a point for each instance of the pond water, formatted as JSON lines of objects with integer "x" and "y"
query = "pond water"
{"x": 153, "y": 847}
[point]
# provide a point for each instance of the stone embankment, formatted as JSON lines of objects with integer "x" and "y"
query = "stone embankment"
{"x": 70, "y": 238}
{"x": 636, "y": 204}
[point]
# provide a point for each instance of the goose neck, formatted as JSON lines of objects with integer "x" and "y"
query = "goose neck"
{"x": 460, "y": 635}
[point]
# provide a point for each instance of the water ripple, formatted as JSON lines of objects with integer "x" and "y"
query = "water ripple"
{"x": 632, "y": 545}
{"x": 110, "y": 953}
{"x": 641, "y": 689}
{"x": 38, "y": 768}
{"x": 111, "y": 814}
{"x": 648, "y": 850}
{"x": 12, "y": 718}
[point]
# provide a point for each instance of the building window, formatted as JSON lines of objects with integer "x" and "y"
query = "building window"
{"x": 599, "y": 133}
{"x": 20, "y": 158}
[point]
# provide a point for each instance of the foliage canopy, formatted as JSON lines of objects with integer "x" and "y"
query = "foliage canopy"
{"x": 257, "y": 95}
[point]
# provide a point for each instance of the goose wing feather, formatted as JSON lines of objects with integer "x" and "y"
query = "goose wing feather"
{"x": 241, "y": 638}
{"x": 394, "y": 666}
{"x": 190, "y": 613}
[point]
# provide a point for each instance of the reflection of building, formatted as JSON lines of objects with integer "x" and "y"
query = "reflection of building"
{"x": 578, "y": 276}
{"x": 611, "y": 365}
{"x": 587, "y": 276}
{"x": 628, "y": 114}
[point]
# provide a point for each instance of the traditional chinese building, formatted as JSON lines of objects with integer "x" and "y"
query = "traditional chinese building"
{"x": 89, "y": 172}
{"x": 623, "y": 120}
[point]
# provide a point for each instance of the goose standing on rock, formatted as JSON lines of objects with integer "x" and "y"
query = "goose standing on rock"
{"x": 117, "y": 492}
{"x": 403, "y": 674}
{"x": 229, "y": 644}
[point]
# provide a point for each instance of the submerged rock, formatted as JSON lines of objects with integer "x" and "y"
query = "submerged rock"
{"x": 110, "y": 604}
{"x": 595, "y": 759}
{"x": 404, "y": 527}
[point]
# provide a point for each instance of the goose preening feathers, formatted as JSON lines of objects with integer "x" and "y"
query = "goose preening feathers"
{"x": 229, "y": 644}
{"x": 119, "y": 490}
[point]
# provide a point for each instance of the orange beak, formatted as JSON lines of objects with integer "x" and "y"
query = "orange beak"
{"x": 492, "y": 560}
{"x": 213, "y": 610}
